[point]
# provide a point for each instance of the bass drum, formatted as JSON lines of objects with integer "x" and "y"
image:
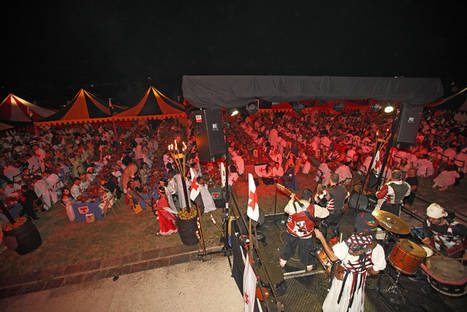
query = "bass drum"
{"x": 361, "y": 202}
{"x": 446, "y": 275}
{"x": 406, "y": 256}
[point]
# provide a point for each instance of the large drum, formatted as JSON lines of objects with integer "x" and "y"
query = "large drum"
{"x": 447, "y": 276}
{"x": 406, "y": 256}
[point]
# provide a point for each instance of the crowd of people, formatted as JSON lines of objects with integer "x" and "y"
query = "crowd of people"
{"x": 82, "y": 163}
{"x": 72, "y": 159}
{"x": 103, "y": 162}
{"x": 289, "y": 143}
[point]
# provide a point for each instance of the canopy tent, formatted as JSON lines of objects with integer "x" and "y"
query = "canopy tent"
{"x": 154, "y": 105}
{"x": 4, "y": 126}
{"x": 84, "y": 107}
{"x": 15, "y": 109}
{"x": 237, "y": 91}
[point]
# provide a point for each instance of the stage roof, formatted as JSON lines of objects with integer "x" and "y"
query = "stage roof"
{"x": 237, "y": 91}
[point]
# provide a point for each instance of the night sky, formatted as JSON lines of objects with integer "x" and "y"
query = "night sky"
{"x": 116, "y": 49}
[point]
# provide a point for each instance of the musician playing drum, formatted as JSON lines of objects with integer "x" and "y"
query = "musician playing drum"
{"x": 446, "y": 236}
{"x": 393, "y": 193}
{"x": 360, "y": 256}
{"x": 303, "y": 215}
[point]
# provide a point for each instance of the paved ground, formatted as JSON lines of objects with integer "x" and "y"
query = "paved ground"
{"x": 193, "y": 286}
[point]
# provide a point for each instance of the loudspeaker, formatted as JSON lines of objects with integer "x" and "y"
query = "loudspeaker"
{"x": 409, "y": 120}
{"x": 209, "y": 132}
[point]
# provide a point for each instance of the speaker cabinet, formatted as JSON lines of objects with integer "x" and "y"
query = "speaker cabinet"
{"x": 409, "y": 120}
{"x": 209, "y": 132}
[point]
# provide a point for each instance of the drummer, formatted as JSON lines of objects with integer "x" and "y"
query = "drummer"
{"x": 445, "y": 235}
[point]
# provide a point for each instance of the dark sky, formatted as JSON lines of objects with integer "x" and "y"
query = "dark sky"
{"x": 119, "y": 47}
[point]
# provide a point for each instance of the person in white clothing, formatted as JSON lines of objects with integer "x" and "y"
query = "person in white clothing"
{"x": 239, "y": 163}
{"x": 12, "y": 173}
{"x": 345, "y": 174}
{"x": 40, "y": 153}
{"x": 277, "y": 171}
{"x": 446, "y": 178}
{"x": 360, "y": 256}
{"x": 42, "y": 190}
{"x": 75, "y": 190}
{"x": 324, "y": 174}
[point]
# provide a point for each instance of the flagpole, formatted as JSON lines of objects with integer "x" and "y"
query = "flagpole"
{"x": 379, "y": 144}
{"x": 201, "y": 232}
{"x": 250, "y": 249}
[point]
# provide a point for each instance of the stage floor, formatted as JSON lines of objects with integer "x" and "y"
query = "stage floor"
{"x": 308, "y": 293}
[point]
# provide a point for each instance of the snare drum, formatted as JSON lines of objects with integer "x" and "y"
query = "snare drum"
{"x": 446, "y": 275}
{"x": 406, "y": 256}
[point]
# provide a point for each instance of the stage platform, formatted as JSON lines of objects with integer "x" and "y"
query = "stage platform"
{"x": 307, "y": 293}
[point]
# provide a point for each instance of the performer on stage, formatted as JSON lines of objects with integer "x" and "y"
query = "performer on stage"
{"x": 446, "y": 236}
{"x": 303, "y": 216}
{"x": 360, "y": 256}
{"x": 333, "y": 199}
{"x": 392, "y": 194}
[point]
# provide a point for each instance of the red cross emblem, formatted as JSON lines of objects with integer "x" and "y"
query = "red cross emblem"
{"x": 246, "y": 298}
{"x": 253, "y": 198}
{"x": 194, "y": 184}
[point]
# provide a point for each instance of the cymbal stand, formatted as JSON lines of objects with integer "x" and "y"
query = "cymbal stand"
{"x": 394, "y": 289}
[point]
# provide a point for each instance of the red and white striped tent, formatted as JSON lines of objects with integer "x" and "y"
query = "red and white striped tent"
{"x": 14, "y": 108}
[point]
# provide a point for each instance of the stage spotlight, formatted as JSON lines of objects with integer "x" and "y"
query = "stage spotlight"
{"x": 338, "y": 106}
{"x": 389, "y": 108}
{"x": 297, "y": 107}
{"x": 252, "y": 107}
{"x": 376, "y": 107}
{"x": 233, "y": 112}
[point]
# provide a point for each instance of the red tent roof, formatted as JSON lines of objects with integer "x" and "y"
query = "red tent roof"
{"x": 14, "y": 108}
{"x": 154, "y": 102}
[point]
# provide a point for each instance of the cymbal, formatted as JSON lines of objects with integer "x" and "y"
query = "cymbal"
{"x": 391, "y": 222}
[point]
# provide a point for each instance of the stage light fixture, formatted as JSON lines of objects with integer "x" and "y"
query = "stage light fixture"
{"x": 338, "y": 106}
{"x": 252, "y": 107}
{"x": 233, "y": 112}
{"x": 376, "y": 107}
{"x": 389, "y": 108}
{"x": 297, "y": 107}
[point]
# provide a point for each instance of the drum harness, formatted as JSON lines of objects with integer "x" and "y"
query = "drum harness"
{"x": 360, "y": 246}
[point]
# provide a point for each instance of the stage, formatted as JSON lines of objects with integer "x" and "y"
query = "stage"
{"x": 307, "y": 293}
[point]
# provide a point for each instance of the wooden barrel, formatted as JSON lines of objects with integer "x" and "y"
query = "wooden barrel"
{"x": 187, "y": 231}
{"x": 27, "y": 237}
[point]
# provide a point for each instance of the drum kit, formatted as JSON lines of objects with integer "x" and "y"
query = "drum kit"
{"x": 446, "y": 275}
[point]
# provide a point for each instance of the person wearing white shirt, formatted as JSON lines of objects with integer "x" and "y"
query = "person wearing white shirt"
{"x": 345, "y": 175}
{"x": 42, "y": 190}
{"x": 40, "y": 153}
{"x": 239, "y": 163}
{"x": 75, "y": 190}
{"x": 277, "y": 170}
{"x": 11, "y": 172}
{"x": 360, "y": 256}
